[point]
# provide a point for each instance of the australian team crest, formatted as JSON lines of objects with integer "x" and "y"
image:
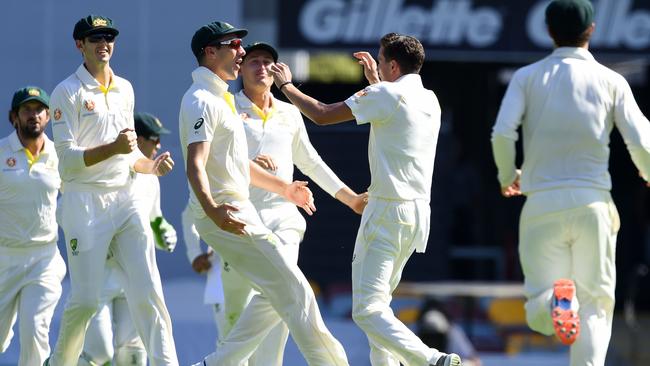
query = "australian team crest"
{"x": 11, "y": 162}
{"x": 73, "y": 246}
{"x": 89, "y": 105}
{"x": 57, "y": 114}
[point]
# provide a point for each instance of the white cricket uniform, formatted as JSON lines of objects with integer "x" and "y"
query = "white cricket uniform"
{"x": 567, "y": 105}
{"x": 98, "y": 210}
{"x": 404, "y": 122}
{"x": 208, "y": 115}
{"x": 213, "y": 293}
{"x": 281, "y": 134}
{"x": 111, "y": 334}
{"x": 31, "y": 268}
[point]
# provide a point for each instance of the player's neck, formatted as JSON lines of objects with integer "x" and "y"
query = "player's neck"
{"x": 262, "y": 98}
{"x": 101, "y": 72}
{"x": 34, "y": 145}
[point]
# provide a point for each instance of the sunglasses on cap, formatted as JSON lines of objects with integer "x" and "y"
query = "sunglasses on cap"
{"x": 98, "y": 37}
{"x": 232, "y": 43}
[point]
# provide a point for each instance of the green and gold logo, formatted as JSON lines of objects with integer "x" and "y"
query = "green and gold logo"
{"x": 73, "y": 246}
{"x": 99, "y": 22}
{"x": 34, "y": 92}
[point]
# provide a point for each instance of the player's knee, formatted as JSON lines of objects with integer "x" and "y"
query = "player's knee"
{"x": 130, "y": 356}
{"x": 85, "y": 307}
{"x": 362, "y": 315}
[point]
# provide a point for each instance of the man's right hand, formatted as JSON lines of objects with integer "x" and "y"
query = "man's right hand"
{"x": 222, "y": 216}
{"x": 126, "y": 141}
{"x": 202, "y": 263}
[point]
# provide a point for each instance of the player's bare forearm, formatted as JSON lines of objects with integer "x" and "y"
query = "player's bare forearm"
{"x": 197, "y": 176}
{"x": 125, "y": 143}
{"x": 356, "y": 202}
{"x": 161, "y": 166}
{"x": 320, "y": 113}
{"x": 260, "y": 178}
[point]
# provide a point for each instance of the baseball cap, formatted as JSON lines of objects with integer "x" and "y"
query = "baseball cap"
{"x": 93, "y": 24}
{"x": 147, "y": 125}
{"x": 264, "y": 47}
{"x": 212, "y": 32}
{"x": 569, "y": 18}
{"x": 29, "y": 93}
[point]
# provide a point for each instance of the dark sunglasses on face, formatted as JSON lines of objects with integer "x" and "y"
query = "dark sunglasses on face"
{"x": 98, "y": 37}
{"x": 232, "y": 43}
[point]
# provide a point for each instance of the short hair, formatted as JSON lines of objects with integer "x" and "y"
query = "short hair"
{"x": 567, "y": 40}
{"x": 407, "y": 51}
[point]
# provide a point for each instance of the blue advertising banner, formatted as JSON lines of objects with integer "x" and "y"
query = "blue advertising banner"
{"x": 483, "y": 29}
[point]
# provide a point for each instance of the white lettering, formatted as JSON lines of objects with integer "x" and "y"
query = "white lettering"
{"x": 449, "y": 22}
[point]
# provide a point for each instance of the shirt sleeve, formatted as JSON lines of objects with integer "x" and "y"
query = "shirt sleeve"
{"x": 66, "y": 119}
{"x": 200, "y": 123}
{"x": 634, "y": 128}
{"x": 190, "y": 235}
{"x": 306, "y": 158}
{"x": 373, "y": 104}
{"x": 504, "y": 132}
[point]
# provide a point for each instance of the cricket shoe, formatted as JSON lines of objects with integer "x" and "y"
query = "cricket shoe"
{"x": 564, "y": 311}
{"x": 451, "y": 359}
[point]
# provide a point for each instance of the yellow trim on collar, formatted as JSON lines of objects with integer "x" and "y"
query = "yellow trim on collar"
{"x": 30, "y": 158}
{"x": 230, "y": 100}
{"x": 264, "y": 116}
{"x": 104, "y": 89}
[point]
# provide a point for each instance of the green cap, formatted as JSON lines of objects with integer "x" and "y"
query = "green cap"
{"x": 212, "y": 32}
{"x": 29, "y": 93}
{"x": 93, "y": 24}
{"x": 569, "y": 18}
{"x": 264, "y": 47}
{"x": 147, "y": 125}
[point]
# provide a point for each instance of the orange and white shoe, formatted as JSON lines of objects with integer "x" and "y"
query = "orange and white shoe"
{"x": 564, "y": 311}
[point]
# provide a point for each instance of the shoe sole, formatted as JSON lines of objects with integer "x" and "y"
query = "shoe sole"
{"x": 566, "y": 322}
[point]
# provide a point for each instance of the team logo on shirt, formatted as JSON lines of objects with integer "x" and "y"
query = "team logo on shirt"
{"x": 57, "y": 114}
{"x": 11, "y": 162}
{"x": 244, "y": 116}
{"x": 73, "y": 246}
{"x": 199, "y": 123}
{"x": 89, "y": 105}
{"x": 361, "y": 93}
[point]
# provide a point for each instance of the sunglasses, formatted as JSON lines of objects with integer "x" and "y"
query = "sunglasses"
{"x": 98, "y": 37}
{"x": 232, "y": 43}
{"x": 155, "y": 139}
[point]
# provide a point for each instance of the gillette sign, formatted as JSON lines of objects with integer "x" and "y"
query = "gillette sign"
{"x": 467, "y": 26}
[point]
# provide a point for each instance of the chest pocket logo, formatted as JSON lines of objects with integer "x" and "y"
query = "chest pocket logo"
{"x": 89, "y": 105}
{"x": 199, "y": 123}
{"x": 11, "y": 162}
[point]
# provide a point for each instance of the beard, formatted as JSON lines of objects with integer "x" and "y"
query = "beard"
{"x": 29, "y": 131}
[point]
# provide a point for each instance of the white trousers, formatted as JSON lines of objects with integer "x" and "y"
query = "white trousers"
{"x": 571, "y": 234}
{"x": 30, "y": 288}
{"x": 111, "y": 334}
{"x": 289, "y": 226}
{"x": 285, "y": 295}
{"x": 91, "y": 221}
{"x": 386, "y": 239}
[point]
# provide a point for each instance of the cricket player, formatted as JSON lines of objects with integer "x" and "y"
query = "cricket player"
{"x": 277, "y": 139}
{"x": 97, "y": 149}
{"x": 31, "y": 268}
{"x": 404, "y": 122}
{"x": 567, "y": 105}
{"x": 111, "y": 335}
{"x": 219, "y": 171}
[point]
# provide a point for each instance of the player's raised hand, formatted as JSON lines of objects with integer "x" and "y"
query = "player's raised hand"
{"x": 298, "y": 193}
{"x": 281, "y": 73}
{"x": 163, "y": 164}
{"x": 126, "y": 141}
{"x": 513, "y": 189}
{"x": 266, "y": 162}
{"x": 369, "y": 66}
{"x": 222, "y": 216}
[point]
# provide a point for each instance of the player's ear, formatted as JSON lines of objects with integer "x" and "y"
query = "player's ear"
{"x": 78, "y": 43}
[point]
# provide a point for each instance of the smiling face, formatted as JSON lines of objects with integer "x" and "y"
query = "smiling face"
{"x": 96, "y": 49}
{"x": 30, "y": 119}
{"x": 255, "y": 70}
{"x": 225, "y": 59}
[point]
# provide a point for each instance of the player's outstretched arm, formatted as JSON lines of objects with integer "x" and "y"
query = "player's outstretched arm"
{"x": 296, "y": 192}
{"x": 320, "y": 113}
{"x": 356, "y": 202}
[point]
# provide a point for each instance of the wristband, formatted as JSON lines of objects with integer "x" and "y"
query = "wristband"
{"x": 283, "y": 84}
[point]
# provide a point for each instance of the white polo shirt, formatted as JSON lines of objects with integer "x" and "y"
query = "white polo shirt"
{"x": 404, "y": 122}
{"x": 85, "y": 114}
{"x": 28, "y": 193}
{"x": 567, "y": 105}
{"x": 208, "y": 115}
{"x": 281, "y": 134}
